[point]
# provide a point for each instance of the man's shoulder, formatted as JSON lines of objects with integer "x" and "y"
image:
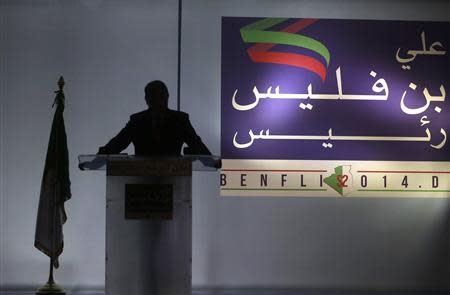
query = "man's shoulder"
{"x": 139, "y": 116}
{"x": 172, "y": 115}
{"x": 178, "y": 114}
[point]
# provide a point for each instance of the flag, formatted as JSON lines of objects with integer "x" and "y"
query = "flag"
{"x": 55, "y": 187}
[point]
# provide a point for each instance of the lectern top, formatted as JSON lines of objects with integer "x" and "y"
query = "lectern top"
{"x": 98, "y": 162}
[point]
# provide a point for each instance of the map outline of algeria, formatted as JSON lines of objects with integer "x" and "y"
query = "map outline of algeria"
{"x": 341, "y": 180}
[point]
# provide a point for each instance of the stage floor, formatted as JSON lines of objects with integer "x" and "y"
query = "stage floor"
{"x": 263, "y": 293}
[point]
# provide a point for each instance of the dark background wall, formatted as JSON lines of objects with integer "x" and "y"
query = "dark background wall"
{"x": 107, "y": 52}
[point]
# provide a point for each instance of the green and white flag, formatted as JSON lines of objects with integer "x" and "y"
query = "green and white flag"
{"x": 55, "y": 187}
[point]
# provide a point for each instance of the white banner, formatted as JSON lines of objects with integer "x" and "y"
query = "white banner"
{"x": 323, "y": 178}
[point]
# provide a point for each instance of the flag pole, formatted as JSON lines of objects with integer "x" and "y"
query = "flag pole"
{"x": 51, "y": 287}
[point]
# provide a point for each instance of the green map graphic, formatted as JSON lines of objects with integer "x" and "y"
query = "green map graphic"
{"x": 333, "y": 182}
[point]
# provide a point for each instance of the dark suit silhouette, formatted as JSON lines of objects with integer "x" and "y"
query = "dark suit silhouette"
{"x": 157, "y": 136}
{"x": 157, "y": 131}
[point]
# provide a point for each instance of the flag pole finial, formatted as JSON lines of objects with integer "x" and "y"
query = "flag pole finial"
{"x": 59, "y": 93}
{"x": 61, "y": 83}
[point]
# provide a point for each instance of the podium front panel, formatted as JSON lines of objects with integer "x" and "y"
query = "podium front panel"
{"x": 148, "y": 253}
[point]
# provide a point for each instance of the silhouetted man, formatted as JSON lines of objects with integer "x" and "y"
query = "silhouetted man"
{"x": 157, "y": 131}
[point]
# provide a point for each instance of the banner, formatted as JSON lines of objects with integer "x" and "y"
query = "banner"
{"x": 325, "y": 107}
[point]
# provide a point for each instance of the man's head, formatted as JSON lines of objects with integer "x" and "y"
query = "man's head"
{"x": 157, "y": 96}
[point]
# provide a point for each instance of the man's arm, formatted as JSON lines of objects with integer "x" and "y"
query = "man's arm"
{"x": 120, "y": 142}
{"x": 194, "y": 142}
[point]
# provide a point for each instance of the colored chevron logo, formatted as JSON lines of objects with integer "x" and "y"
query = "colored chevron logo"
{"x": 265, "y": 40}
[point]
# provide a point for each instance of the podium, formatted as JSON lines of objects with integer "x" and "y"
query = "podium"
{"x": 148, "y": 222}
